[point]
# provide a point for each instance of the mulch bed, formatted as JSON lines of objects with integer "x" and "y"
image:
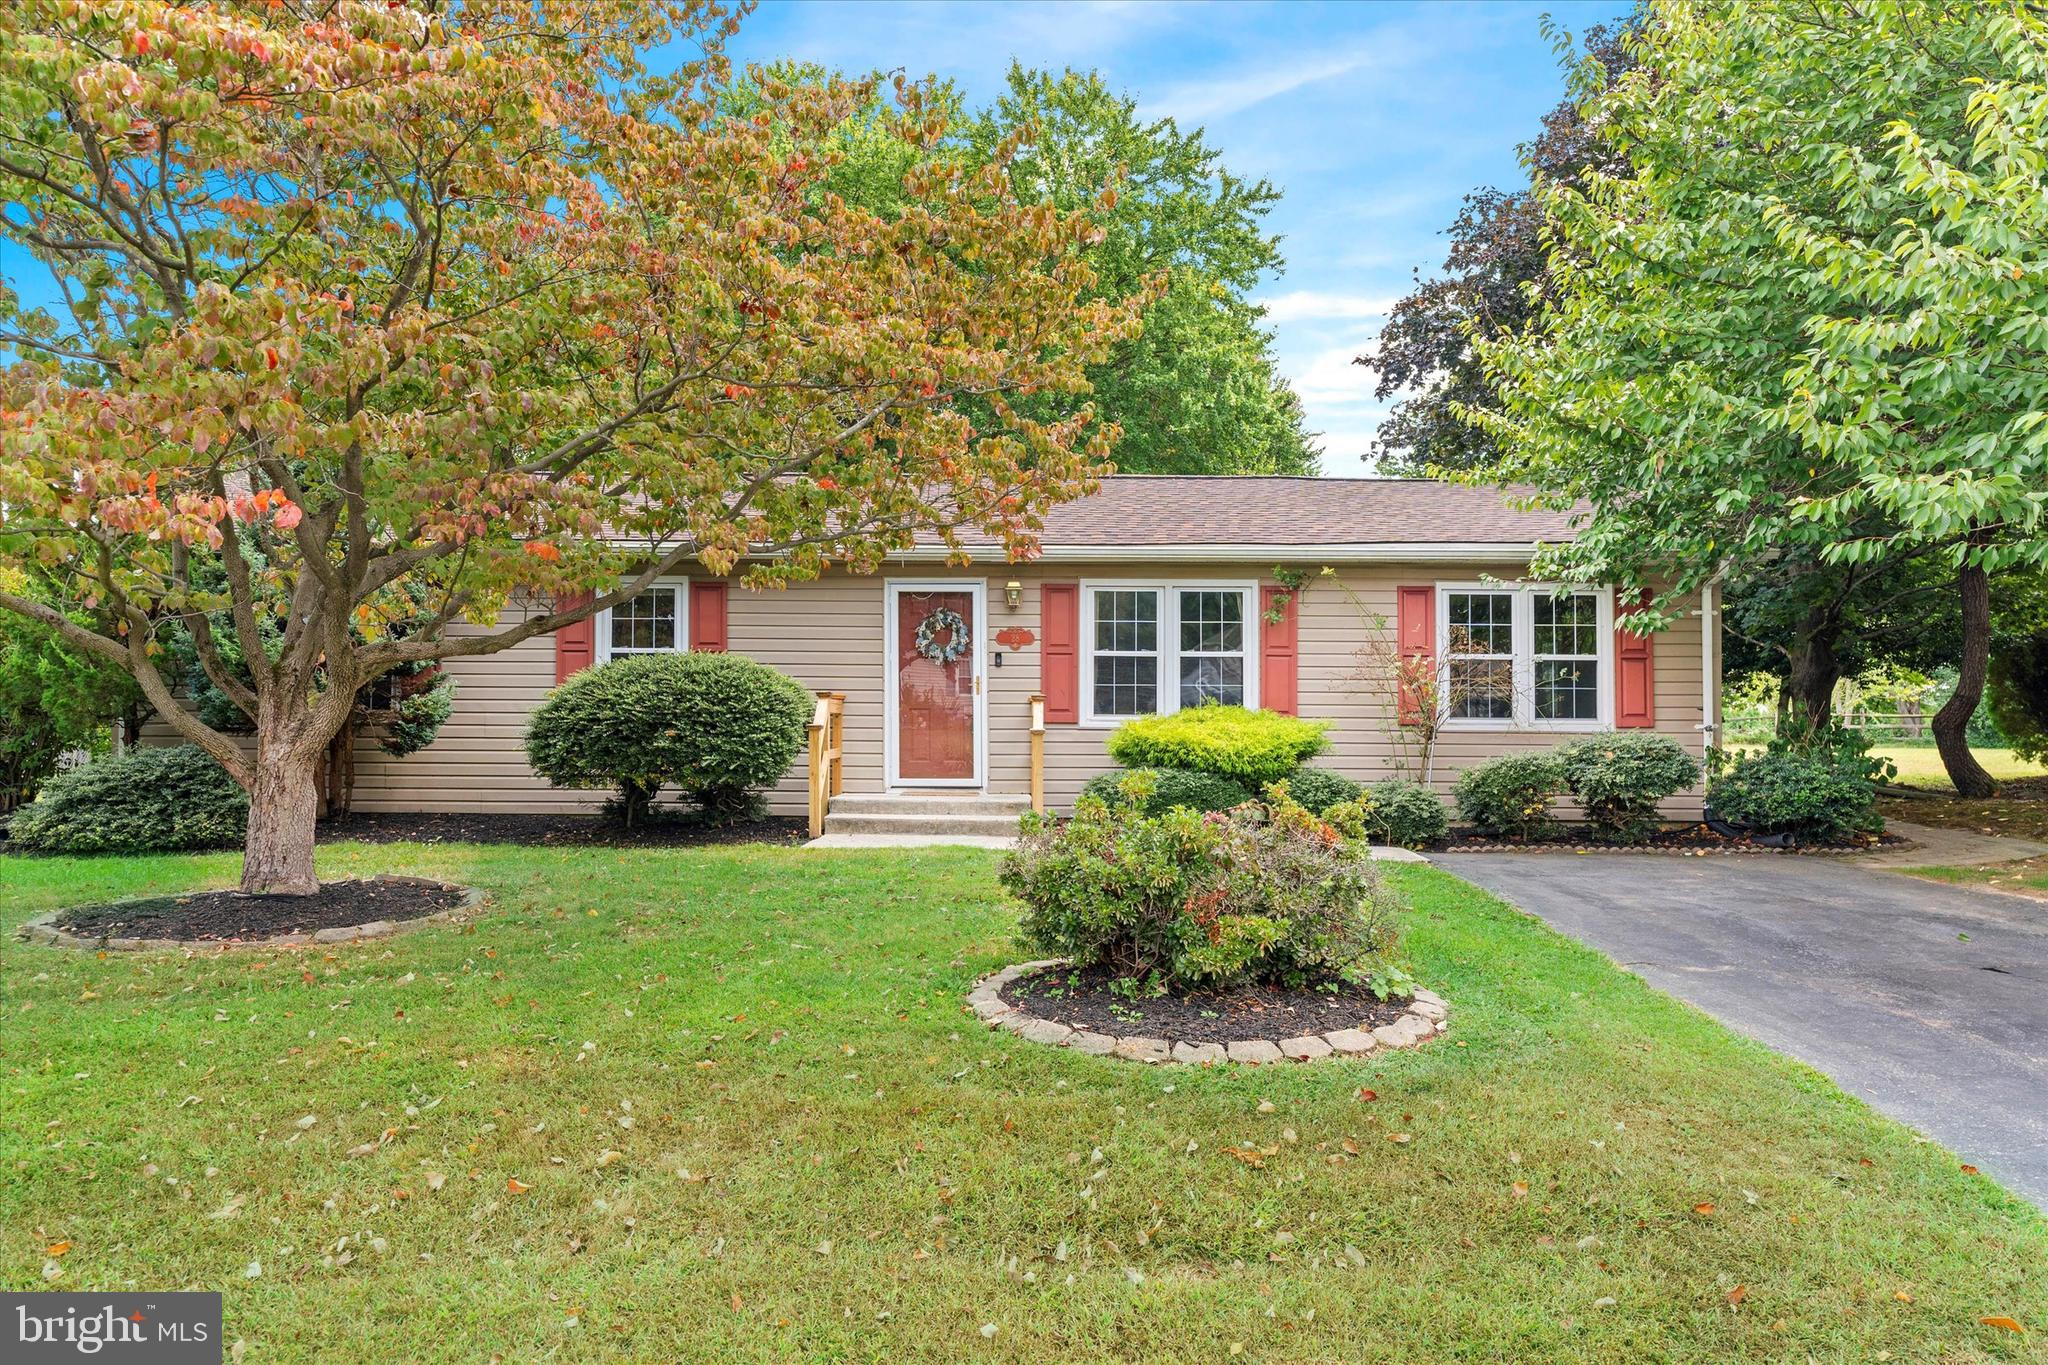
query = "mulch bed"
{"x": 1696, "y": 838}
{"x": 572, "y": 831}
{"x": 225, "y": 915}
{"x": 1083, "y": 1000}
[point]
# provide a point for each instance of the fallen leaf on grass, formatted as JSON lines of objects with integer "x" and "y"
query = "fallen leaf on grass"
{"x": 1737, "y": 1294}
{"x": 2004, "y": 1324}
{"x": 57, "y": 1249}
{"x": 1367, "y": 1096}
{"x": 1902, "y": 1296}
{"x": 1521, "y": 1188}
{"x": 435, "y": 1180}
{"x": 1703, "y": 1210}
{"x": 1400, "y": 1139}
{"x": 516, "y": 1185}
{"x": 1968, "y": 1169}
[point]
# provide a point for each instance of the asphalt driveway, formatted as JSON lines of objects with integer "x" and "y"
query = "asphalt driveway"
{"x": 1928, "y": 1001}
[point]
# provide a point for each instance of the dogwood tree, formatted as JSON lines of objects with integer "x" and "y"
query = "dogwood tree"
{"x": 383, "y": 317}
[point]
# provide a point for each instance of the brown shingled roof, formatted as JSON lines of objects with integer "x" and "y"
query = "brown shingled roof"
{"x": 1175, "y": 509}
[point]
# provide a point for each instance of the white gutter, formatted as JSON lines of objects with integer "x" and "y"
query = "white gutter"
{"x": 1211, "y": 553}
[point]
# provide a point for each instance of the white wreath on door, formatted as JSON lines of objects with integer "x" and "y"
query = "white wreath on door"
{"x": 942, "y": 620}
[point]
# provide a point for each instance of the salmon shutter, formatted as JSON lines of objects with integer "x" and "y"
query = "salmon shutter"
{"x": 1060, "y": 621}
{"x": 1415, "y": 639}
{"x": 707, "y": 616}
{"x": 575, "y": 644}
{"x": 1635, "y": 699}
{"x": 1279, "y": 683}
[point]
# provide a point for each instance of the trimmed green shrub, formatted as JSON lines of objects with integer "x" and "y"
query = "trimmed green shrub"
{"x": 1809, "y": 797}
{"x": 1169, "y": 787}
{"x": 714, "y": 725}
{"x": 146, "y": 801}
{"x": 1255, "y": 747}
{"x": 1618, "y": 779}
{"x": 1404, "y": 813}
{"x": 1319, "y": 788}
{"x": 1182, "y": 901}
{"x": 1510, "y": 795}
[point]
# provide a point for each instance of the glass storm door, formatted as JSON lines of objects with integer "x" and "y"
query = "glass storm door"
{"x": 936, "y": 648}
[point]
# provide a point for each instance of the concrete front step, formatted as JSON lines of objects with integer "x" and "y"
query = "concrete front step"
{"x": 992, "y": 826}
{"x": 929, "y": 804}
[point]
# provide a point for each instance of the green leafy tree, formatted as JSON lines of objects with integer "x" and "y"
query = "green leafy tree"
{"x": 1197, "y": 391}
{"x": 54, "y": 696}
{"x": 474, "y": 310}
{"x": 1780, "y": 332}
{"x": 1494, "y": 280}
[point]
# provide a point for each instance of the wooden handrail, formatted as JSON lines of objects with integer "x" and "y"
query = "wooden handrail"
{"x": 827, "y": 769}
{"x": 1038, "y": 751}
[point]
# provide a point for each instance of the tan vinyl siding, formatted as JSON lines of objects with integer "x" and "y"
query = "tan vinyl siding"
{"x": 830, "y": 636}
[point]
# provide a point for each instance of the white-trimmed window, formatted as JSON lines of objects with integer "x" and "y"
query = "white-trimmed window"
{"x": 654, "y": 622}
{"x": 1535, "y": 656}
{"x": 1566, "y": 651}
{"x": 1157, "y": 647}
{"x": 1479, "y": 655}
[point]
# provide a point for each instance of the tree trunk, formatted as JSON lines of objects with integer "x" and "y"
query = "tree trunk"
{"x": 1810, "y": 682}
{"x": 277, "y": 856}
{"x": 1952, "y": 722}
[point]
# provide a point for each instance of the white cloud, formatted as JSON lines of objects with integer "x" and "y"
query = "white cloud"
{"x": 1213, "y": 98}
{"x": 1329, "y": 379}
{"x": 1299, "y": 305}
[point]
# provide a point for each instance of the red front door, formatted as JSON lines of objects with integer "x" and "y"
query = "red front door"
{"x": 935, "y": 685}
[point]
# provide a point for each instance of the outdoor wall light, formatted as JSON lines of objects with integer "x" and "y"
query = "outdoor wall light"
{"x": 1013, "y": 593}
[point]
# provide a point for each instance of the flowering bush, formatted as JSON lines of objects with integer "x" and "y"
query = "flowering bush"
{"x": 1186, "y": 901}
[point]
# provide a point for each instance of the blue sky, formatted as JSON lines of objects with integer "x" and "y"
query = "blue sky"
{"x": 1373, "y": 119}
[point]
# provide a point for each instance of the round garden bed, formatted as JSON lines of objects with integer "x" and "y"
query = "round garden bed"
{"x": 1043, "y": 1002}
{"x": 338, "y": 912}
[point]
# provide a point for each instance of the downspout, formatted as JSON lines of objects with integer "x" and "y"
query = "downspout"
{"x": 1710, "y": 667}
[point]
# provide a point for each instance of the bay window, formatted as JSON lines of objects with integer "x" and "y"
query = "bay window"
{"x": 1153, "y": 648}
{"x": 1536, "y": 656}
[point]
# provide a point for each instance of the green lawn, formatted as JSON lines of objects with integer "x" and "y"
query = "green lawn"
{"x": 1920, "y": 765}
{"x": 724, "y": 1105}
{"x": 2026, "y": 876}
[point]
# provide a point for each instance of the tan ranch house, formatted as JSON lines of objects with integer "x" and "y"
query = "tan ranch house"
{"x": 1153, "y": 594}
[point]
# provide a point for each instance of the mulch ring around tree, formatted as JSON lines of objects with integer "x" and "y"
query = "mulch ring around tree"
{"x": 1693, "y": 839}
{"x": 337, "y": 913}
{"x": 1084, "y": 1000}
{"x": 664, "y": 830}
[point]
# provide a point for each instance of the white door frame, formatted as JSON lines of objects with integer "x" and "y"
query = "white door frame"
{"x": 977, "y": 655}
